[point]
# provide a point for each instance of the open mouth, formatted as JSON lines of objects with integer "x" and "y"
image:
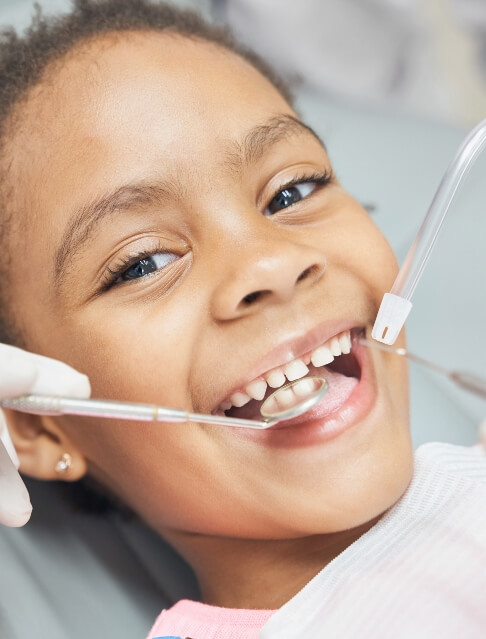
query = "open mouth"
{"x": 334, "y": 360}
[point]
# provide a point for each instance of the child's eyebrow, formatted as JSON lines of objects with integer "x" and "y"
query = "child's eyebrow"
{"x": 262, "y": 136}
{"x": 87, "y": 218}
{"x": 84, "y": 221}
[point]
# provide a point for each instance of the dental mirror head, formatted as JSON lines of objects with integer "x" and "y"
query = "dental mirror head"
{"x": 294, "y": 399}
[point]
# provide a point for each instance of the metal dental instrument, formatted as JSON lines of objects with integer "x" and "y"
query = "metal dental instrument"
{"x": 287, "y": 402}
{"x": 396, "y": 304}
{"x": 467, "y": 381}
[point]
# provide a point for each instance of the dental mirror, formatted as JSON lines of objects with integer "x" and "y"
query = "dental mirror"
{"x": 287, "y": 402}
{"x": 294, "y": 399}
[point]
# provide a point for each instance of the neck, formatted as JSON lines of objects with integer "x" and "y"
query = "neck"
{"x": 265, "y": 574}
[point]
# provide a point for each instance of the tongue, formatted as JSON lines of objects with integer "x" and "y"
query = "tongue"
{"x": 340, "y": 388}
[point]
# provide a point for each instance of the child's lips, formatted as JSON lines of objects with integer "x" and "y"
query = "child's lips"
{"x": 292, "y": 349}
{"x": 324, "y": 422}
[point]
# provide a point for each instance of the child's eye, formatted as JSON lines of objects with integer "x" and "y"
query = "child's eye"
{"x": 288, "y": 196}
{"x": 298, "y": 189}
{"x": 146, "y": 266}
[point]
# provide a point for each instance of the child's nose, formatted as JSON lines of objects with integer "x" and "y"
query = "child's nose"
{"x": 265, "y": 274}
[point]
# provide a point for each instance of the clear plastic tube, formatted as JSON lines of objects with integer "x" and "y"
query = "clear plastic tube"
{"x": 396, "y": 304}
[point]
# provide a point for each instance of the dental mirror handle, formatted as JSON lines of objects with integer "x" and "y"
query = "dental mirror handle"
{"x": 52, "y": 405}
{"x": 396, "y": 304}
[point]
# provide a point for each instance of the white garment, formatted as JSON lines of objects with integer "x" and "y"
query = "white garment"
{"x": 419, "y": 573}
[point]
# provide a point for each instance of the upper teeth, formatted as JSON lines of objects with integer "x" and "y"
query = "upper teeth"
{"x": 297, "y": 368}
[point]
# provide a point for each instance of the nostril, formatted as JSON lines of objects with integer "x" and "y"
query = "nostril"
{"x": 253, "y": 297}
{"x": 308, "y": 272}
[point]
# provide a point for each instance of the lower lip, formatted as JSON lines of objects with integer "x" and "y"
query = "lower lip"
{"x": 311, "y": 428}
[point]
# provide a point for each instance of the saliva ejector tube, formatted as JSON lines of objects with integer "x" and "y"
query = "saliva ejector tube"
{"x": 396, "y": 304}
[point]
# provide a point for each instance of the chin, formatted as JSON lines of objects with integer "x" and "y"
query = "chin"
{"x": 358, "y": 488}
{"x": 378, "y": 483}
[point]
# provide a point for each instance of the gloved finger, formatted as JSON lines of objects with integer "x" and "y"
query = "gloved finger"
{"x": 22, "y": 372}
{"x": 15, "y": 506}
{"x": 57, "y": 378}
{"x": 18, "y": 371}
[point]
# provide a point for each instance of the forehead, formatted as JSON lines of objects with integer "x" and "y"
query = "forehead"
{"x": 131, "y": 103}
{"x": 129, "y": 88}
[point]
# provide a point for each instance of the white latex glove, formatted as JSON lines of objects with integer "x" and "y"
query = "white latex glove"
{"x": 22, "y": 373}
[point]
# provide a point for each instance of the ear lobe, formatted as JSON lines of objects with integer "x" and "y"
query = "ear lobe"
{"x": 40, "y": 444}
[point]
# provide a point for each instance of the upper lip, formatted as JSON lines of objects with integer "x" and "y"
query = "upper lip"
{"x": 291, "y": 349}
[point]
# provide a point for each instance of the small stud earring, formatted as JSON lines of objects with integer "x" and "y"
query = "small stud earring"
{"x": 64, "y": 464}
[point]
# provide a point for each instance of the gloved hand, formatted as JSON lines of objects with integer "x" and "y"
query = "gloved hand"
{"x": 22, "y": 373}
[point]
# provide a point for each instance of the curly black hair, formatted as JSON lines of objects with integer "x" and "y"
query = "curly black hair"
{"x": 24, "y": 60}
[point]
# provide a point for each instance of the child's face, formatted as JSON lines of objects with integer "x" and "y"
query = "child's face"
{"x": 196, "y": 144}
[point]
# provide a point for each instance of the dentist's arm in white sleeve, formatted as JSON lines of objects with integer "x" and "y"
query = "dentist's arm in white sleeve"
{"x": 22, "y": 373}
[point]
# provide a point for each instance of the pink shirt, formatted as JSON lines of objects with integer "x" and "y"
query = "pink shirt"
{"x": 195, "y": 620}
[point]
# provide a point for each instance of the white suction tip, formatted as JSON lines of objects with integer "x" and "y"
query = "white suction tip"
{"x": 391, "y": 317}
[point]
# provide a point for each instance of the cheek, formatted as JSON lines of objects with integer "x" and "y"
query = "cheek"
{"x": 153, "y": 468}
{"x": 368, "y": 255}
{"x": 142, "y": 353}
{"x": 351, "y": 240}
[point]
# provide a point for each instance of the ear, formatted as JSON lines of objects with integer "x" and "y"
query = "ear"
{"x": 40, "y": 444}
